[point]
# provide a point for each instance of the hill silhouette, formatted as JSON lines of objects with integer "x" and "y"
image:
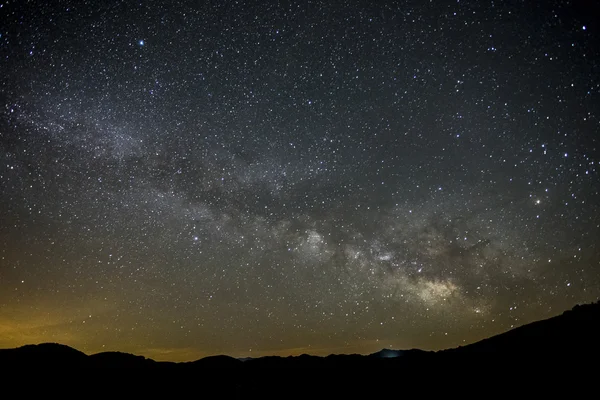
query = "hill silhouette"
{"x": 571, "y": 335}
{"x": 574, "y": 334}
{"x": 46, "y": 355}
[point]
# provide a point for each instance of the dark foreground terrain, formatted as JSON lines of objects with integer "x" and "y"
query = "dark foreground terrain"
{"x": 572, "y": 336}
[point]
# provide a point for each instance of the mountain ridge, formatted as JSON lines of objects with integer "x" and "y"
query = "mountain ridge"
{"x": 572, "y": 334}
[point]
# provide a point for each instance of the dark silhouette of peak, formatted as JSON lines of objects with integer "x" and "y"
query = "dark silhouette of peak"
{"x": 219, "y": 361}
{"x": 42, "y": 355}
{"x": 117, "y": 359}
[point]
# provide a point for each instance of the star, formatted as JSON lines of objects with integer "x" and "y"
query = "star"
{"x": 313, "y": 178}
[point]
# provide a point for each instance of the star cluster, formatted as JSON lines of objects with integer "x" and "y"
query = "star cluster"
{"x": 180, "y": 179}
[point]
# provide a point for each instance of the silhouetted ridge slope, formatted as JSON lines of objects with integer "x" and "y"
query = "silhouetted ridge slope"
{"x": 120, "y": 360}
{"x": 574, "y": 332}
{"x": 43, "y": 355}
{"x": 216, "y": 362}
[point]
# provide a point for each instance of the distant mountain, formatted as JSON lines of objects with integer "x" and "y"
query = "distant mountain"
{"x": 572, "y": 335}
{"x": 215, "y": 362}
{"x": 45, "y": 355}
{"x": 121, "y": 360}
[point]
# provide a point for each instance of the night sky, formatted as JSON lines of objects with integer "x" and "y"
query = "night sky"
{"x": 181, "y": 179}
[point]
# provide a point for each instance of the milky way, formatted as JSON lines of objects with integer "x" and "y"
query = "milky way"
{"x": 180, "y": 179}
